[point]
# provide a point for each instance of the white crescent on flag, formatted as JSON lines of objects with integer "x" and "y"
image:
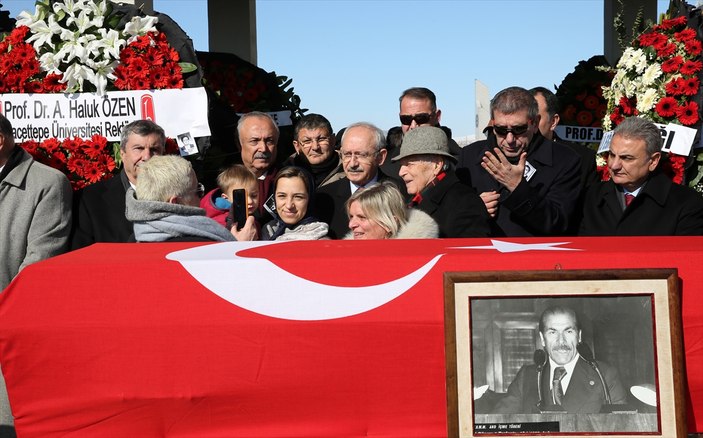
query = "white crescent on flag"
{"x": 260, "y": 286}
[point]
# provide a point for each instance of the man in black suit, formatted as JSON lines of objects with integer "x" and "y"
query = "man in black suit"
{"x": 567, "y": 381}
{"x": 639, "y": 199}
{"x": 530, "y": 186}
{"x": 99, "y": 213}
{"x": 362, "y": 152}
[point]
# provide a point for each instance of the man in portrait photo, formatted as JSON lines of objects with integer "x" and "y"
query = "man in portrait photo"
{"x": 569, "y": 380}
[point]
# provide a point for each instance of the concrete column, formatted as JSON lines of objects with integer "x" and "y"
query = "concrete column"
{"x": 631, "y": 8}
{"x": 232, "y": 28}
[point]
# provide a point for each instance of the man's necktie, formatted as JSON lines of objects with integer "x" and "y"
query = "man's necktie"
{"x": 557, "y": 392}
{"x": 629, "y": 197}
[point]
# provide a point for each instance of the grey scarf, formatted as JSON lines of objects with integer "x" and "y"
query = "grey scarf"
{"x": 156, "y": 221}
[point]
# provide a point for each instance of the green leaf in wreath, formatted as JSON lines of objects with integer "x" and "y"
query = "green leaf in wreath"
{"x": 187, "y": 67}
{"x": 113, "y": 21}
{"x": 116, "y": 153}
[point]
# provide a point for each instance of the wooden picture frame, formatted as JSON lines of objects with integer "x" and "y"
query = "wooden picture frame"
{"x": 627, "y": 324}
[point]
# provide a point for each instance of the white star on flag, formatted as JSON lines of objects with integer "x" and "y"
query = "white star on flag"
{"x": 505, "y": 247}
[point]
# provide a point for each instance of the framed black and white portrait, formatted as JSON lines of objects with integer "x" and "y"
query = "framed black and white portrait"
{"x": 564, "y": 353}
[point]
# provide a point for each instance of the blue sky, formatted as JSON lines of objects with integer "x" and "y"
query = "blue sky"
{"x": 351, "y": 59}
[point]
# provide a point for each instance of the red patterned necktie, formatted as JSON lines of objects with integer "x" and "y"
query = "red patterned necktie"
{"x": 629, "y": 197}
{"x": 557, "y": 392}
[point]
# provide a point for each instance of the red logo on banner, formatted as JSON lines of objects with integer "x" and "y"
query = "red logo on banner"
{"x": 147, "y": 107}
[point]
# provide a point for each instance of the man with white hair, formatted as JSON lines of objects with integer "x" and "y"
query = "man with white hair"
{"x": 362, "y": 153}
{"x": 164, "y": 206}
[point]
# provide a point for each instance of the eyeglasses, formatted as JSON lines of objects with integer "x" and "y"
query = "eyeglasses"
{"x": 420, "y": 118}
{"x": 200, "y": 190}
{"x": 321, "y": 140}
{"x": 515, "y": 130}
{"x": 360, "y": 156}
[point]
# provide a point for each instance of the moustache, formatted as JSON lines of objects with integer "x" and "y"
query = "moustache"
{"x": 262, "y": 155}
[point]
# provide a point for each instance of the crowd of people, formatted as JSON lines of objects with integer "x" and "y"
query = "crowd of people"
{"x": 414, "y": 182}
{"x": 359, "y": 183}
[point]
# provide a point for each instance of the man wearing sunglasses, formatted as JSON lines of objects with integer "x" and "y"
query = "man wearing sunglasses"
{"x": 529, "y": 186}
{"x": 418, "y": 107}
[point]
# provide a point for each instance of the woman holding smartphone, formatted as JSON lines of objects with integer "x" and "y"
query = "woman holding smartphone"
{"x": 293, "y": 189}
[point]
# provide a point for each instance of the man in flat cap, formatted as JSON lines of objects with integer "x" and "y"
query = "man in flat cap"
{"x": 427, "y": 168}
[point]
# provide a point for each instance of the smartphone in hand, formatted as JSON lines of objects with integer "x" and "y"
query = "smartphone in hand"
{"x": 238, "y": 210}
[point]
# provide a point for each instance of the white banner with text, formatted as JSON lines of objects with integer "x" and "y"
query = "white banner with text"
{"x": 41, "y": 116}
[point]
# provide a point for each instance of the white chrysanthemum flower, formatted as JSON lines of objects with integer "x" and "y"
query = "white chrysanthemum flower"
{"x": 99, "y": 10}
{"x": 112, "y": 44}
{"x": 606, "y": 125}
{"x": 50, "y": 63}
{"x": 100, "y": 73}
{"x": 43, "y": 32}
{"x": 651, "y": 74}
{"x": 75, "y": 75}
{"x": 75, "y": 47}
{"x": 26, "y": 19}
{"x": 646, "y": 101}
{"x": 626, "y": 59}
{"x": 139, "y": 26}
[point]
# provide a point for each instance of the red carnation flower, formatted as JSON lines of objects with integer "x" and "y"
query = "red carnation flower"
{"x": 584, "y": 118}
{"x": 672, "y": 65}
{"x": 154, "y": 57}
{"x": 591, "y": 102}
{"x": 616, "y": 116}
{"x": 35, "y": 87}
{"x": 57, "y": 161}
{"x": 141, "y": 43}
{"x": 76, "y": 164}
{"x": 666, "y": 107}
{"x": 173, "y": 55}
{"x": 673, "y": 22}
{"x": 52, "y": 83}
{"x": 691, "y": 67}
{"x": 685, "y": 35}
{"x": 159, "y": 77}
{"x": 139, "y": 84}
{"x": 17, "y": 35}
{"x": 72, "y": 145}
{"x": 30, "y": 146}
{"x": 688, "y": 113}
{"x": 50, "y": 145}
{"x": 652, "y": 39}
{"x": 138, "y": 68}
{"x": 673, "y": 167}
{"x": 690, "y": 86}
{"x": 92, "y": 149}
{"x": 6, "y": 62}
{"x": 91, "y": 172}
{"x": 666, "y": 50}
{"x": 175, "y": 81}
{"x": 674, "y": 87}
{"x": 126, "y": 55}
{"x": 107, "y": 161}
{"x": 627, "y": 105}
{"x": 693, "y": 47}
{"x": 99, "y": 139}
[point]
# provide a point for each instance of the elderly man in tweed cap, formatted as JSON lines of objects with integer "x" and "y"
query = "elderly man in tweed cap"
{"x": 427, "y": 168}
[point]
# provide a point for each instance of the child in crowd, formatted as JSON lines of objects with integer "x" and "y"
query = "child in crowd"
{"x": 218, "y": 201}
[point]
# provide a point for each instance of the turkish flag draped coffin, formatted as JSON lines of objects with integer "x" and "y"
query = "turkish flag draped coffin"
{"x": 323, "y": 338}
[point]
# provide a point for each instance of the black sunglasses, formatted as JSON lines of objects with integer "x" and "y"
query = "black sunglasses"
{"x": 420, "y": 118}
{"x": 516, "y": 130}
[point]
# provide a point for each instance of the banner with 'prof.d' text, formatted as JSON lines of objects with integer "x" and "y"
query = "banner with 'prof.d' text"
{"x": 41, "y": 116}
